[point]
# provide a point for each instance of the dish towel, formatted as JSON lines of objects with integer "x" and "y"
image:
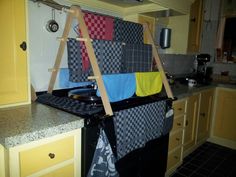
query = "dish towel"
{"x": 136, "y": 126}
{"x": 64, "y": 80}
{"x": 128, "y": 32}
{"x": 103, "y": 164}
{"x": 119, "y": 86}
{"x": 148, "y": 83}
{"x": 136, "y": 58}
{"x": 99, "y": 27}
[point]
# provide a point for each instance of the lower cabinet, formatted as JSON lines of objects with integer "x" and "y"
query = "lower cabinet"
{"x": 205, "y": 114}
{"x": 224, "y": 123}
{"x": 191, "y": 120}
{"x": 57, "y": 156}
{"x": 191, "y": 126}
{"x": 175, "y": 148}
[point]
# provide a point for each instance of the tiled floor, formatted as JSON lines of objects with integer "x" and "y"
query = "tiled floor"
{"x": 209, "y": 160}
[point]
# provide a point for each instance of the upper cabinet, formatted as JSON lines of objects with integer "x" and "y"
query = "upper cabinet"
{"x": 175, "y": 14}
{"x": 195, "y": 24}
{"x": 13, "y": 63}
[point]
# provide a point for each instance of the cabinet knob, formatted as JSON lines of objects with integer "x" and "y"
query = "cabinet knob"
{"x": 179, "y": 124}
{"x": 180, "y": 109}
{"x": 177, "y": 139}
{"x": 23, "y": 46}
{"x": 176, "y": 157}
{"x": 202, "y": 114}
{"x": 51, "y": 155}
{"x": 186, "y": 124}
{"x": 193, "y": 19}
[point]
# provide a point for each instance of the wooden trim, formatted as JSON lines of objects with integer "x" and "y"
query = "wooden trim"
{"x": 33, "y": 94}
{"x": 158, "y": 62}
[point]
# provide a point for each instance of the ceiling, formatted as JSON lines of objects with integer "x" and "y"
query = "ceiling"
{"x": 126, "y": 3}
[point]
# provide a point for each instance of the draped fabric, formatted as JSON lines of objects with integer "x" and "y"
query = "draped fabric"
{"x": 136, "y": 126}
{"x": 103, "y": 164}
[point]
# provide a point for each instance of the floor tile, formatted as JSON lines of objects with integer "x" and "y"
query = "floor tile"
{"x": 209, "y": 160}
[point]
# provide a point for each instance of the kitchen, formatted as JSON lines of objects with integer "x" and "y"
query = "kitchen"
{"x": 42, "y": 52}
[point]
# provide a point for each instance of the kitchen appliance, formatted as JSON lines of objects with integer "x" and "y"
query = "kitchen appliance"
{"x": 203, "y": 76}
{"x": 150, "y": 159}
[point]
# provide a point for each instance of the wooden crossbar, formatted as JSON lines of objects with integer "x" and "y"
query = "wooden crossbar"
{"x": 75, "y": 12}
{"x": 158, "y": 62}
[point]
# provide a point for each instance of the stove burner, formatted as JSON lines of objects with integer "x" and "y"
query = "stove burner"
{"x": 85, "y": 95}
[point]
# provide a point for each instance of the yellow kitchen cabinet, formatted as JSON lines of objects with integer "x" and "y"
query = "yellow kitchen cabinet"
{"x": 191, "y": 121}
{"x": 205, "y": 113}
{"x": 175, "y": 148}
{"x": 224, "y": 124}
{"x": 150, "y": 21}
{"x": 195, "y": 25}
{"x": 50, "y": 157}
{"x": 13, "y": 59}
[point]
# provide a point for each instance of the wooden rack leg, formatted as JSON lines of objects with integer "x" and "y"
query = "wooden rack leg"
{"x": 158, "y": 62}
{"x": 60, "y": 52}
{"x": 93, "y": 60}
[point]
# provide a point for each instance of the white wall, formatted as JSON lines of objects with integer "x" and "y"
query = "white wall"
{"x": 43, "y": 45}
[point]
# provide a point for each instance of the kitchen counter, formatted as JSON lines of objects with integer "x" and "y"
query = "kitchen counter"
{"x": 182, "y": 90}
{"x": 23, "y": 124}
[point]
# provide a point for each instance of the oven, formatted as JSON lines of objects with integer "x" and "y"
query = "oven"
{"x": 142, "y": 162}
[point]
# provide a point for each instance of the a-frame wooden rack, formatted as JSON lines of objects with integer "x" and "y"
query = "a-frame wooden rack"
{"x": 75, "y": 12}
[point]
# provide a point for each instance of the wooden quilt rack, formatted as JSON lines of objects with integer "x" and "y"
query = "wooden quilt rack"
{"x": 76, "y": 12}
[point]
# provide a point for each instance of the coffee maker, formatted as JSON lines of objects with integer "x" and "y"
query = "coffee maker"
{"x": 203, "y": 71}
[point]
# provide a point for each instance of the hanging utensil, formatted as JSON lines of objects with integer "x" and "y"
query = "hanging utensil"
{"x": 52, "y": 25}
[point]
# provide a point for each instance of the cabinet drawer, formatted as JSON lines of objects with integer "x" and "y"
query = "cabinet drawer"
{"x": 175, "y": 140}
{"x": 67, "y": 171}
{"x": 45, "y": 156}
{"x": 179, "y": 108}
{"x": 174, "y": 158}
{"x": 178, "y": 123}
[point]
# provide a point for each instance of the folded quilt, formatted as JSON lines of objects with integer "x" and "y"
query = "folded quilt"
{"x": 119, "y": 86}
{"x": 148, "y": 83}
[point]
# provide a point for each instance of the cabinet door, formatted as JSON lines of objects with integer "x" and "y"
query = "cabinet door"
{"x": 225, "y": 115}
{"x": 67, "y": 171}
{"x": 195, "y": 23}
{"x": 204, "y": 118}
{"x": 151, "y": 25}
{"x": 13, "y": 60}
{"x": 190, "y": 124}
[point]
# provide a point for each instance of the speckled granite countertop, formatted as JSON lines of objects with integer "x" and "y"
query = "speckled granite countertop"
{"x": 23, "y": 124}
{"x": 182, "y": 91}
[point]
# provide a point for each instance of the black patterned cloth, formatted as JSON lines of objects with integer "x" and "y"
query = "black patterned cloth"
{"x": 108, "y": 54}
{"x": 103, "y": 164}
{"x": 136, "y": 126}
{"x": 111, "y": 57}
{"x": 128, "y": 32}
{"x": 136, "y": 58}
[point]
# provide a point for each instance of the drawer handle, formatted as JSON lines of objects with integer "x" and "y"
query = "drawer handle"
{"x": 202, "y": 114}
{"x": 176, "y": 157}
{"x": 51, "y": 155}
{"x": 186, "y": 124}
{"x": 179, "y": 124}
{"x": 180, "y": 109}
{"x": 177, "y": 139}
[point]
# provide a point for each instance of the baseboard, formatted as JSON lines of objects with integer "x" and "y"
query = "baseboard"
{"x": 223, "y": 142}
